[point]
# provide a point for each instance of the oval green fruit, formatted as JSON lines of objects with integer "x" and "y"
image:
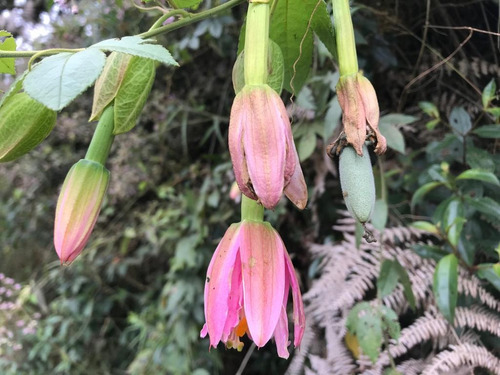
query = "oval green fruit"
{"x": 24, "y": 123}
{"x": 357, "y": 182}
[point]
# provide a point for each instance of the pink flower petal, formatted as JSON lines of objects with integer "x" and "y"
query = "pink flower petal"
{"x": 264, "y": 142}
{"x": 239, "y": 119}
{"x": 281, "y": 334}
{"x": 218, "y": 286}
{"x": 299, "y": 318}
{"x": 263, "y": 266}
{"x": 296, "y": 190}
{"x": 235, "y": 300}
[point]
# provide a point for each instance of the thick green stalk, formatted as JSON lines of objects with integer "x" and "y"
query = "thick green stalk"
{"x": 344, "y": 32}
{"x": 256, "y": 43}
{"x": 251, "y": 210}
{"x": 102, "y": 139}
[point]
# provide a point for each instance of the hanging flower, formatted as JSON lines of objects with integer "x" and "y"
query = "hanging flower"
{"x": 78, "y": 206}
{"x": 263, "y": 153}
{"x": 247, "y": 286}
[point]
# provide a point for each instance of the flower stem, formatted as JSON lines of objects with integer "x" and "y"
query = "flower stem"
{"x": 256, "y": 43}
{"x": 344, "y": 32}
{"x": 251, "y": 210}
{"x": 102, "y": 139}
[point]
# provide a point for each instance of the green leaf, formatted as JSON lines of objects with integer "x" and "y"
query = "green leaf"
{"x": 460, "y": 121}
{"x": 486, "y": 206}
{"x": 429, "y": 251}
{"x": 307, "y": 145}
{"x": 7, "y": 64}
{"x": 488, "y": 272}
{"x": 14, "y": 88}
{"x": 288, "y": 27}
{"x": 488, "y": 131}
{"x": 397, "y": 119}
{"x": 429, "y": 109}
{"x": 422, "y": 191}
{"x": 352, "y": 317}
{"x": 480, "y": 175}
{"x": 405, "y": 281}
{"x": 185, "y": 4}
{"x": 390, "y": 322}
{"x": 489, "y": 93}
{"x": 369, "y": 333}
{"x": 394, "y": 137}
{"x": 332, "y": 118}
{"x": 453, "y": 220}
{"x": 275, "y": 70}
{"x": 425, "y": 226}
{"x": 466, "y": 250}
{"x": 134, "y": 45}
{"x": 380, "y": 214}
{"x": 387, "y": 279}
{"x": 108, "y": 83}
{"x": 495, "y": 111}
{"x": 430, "y": 125}
{"x": 445, "y": 286}
{"x": 323, "y": 27}
{"x": 133, "y": 93}
{"x": 59, "y": 79}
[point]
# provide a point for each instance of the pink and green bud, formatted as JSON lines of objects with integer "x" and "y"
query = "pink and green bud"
{"x": 78, "y": 207}
{"x": 248, "y": 283}
{"x": 262, "y": 149}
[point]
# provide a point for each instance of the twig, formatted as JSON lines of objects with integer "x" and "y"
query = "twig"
{"x": 246, "y": 359}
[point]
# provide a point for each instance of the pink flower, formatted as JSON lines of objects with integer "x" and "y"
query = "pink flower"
{"x": 78, "y": 207}
{"x": 247, "y": 287}
{"x": 263, "y": 153}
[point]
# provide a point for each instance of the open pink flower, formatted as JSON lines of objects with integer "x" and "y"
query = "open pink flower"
{"x": 247, "y": 287}
{"x": 263, "y": 153}
{"x": 78, "y": 206}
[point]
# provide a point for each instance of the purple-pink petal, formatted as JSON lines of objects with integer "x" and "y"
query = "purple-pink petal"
{"x": 299, "y": 318}
{"x": 218, "y": 283}
{"x": 263, "y": 273}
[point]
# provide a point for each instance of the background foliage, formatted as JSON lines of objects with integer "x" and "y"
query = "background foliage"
{"x": 132, "y": 303}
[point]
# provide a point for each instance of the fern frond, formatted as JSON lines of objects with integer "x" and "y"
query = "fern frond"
{"x": 463, "y": 355}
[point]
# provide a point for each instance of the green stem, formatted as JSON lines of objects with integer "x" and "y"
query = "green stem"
{"x": 344, "y": 33}
{"x": 251, "y": 210}
{"x": 192, "y": 19}
{"x": 148, "y": 34}
{"x": 256, "y": 43}
{"x": 102, "y": 139}
{"x": 52, "y": 51}
{"x": 166, "y": 16}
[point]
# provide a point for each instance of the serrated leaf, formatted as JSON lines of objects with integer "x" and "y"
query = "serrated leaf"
{"x": 133, "y": 93}
{"x": 405, "y": 281}
{"x": 59, "y": 79}
{"x": 487, "y": 272}
{"x": 288, "y": 26}
{"x": 7, "y": 64}
{"x": 307, "y": 145}
{"x": 380, "y": 214}
{"x": 134, "y": 45}
{"x": 422, "y": 191}
{"x": 387, "y": 279}
{"x": 488, "y": 131}
{"x": 445, "y": 286}
{"x": 429, "y": 109}
{"x": 460, "y": 121}
{"x": 108, "y": 83}
{"x": 323, "y": 27}
{"x": 489, "y": 93}
{"x": 425, "y": 226}
{"x": 480, "y": 175}
{"x": 453, "y": 220}
{"x": 486, "y": 206}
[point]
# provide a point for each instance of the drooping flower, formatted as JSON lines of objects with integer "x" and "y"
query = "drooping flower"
{"x": 247, "y": 287}
{"x": 78, "y": 207}
{"x": 359, "y": 104}
{"x": 263, "y": 152}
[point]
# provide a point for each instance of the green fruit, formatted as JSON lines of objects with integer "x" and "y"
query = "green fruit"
{"x": 357, "y": 182}
{"x": 24, "y": 123}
